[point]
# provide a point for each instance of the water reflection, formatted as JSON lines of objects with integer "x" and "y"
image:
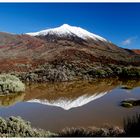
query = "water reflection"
{"x": 69, "y": 103}
{"x": 129, "y": 84}
{"x": 74, "y": 94}
{"x": 68, "y": 95}
{"x": 9, "y": 100}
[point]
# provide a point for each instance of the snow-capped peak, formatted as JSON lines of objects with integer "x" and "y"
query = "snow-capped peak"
{"x": 65, "y": 30}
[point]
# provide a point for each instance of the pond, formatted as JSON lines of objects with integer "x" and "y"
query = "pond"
{"x": 54, "y": 106}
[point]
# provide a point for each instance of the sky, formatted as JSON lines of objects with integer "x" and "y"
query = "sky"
{"x": 117, "y": 22}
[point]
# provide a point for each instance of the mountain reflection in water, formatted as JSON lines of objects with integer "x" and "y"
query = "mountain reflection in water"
{"x": 54, "y": 106}
{"x": 67, "y": 95}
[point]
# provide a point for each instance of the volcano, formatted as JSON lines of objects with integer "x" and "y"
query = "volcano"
{"x": 61, "y": 54}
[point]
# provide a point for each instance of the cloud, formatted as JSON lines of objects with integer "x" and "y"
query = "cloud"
{"x": 129, "y": 40}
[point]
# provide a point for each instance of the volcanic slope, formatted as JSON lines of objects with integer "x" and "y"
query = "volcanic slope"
{"x": 62, "y": 54}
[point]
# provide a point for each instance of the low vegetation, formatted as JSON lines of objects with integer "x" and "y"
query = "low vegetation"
{"x": 17, "y": 127}
{"x": 65, "y": 71}
{"x": 10, "y": 84}
{"x": 130, "y": 103}
{"x": 126, "y": 87}
{"x": 91, "y": 132}
{"x": 132, "y": 126}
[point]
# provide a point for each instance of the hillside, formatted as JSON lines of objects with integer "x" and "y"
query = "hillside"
{"x": 62, "y": 54}
{"x": 136, "y": 51}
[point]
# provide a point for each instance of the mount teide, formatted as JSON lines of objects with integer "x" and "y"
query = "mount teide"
{"x": 62, "y": 54}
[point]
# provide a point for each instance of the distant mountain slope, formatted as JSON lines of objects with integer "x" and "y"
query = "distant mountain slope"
{"x": 71, "y": 36}
{"x": 63, "y": 53}
{"x": 136, "y": 51}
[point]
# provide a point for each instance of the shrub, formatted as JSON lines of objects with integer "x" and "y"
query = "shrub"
{"x": 92, "y": 132}
{"x": 118, "y": 70}
{"x": 130, "y": 103}
{"x": 10, "y": 84}
{"x": 17, "y": 127}
{"x": 75, "y": 132}
{"x": 127, "y": 105}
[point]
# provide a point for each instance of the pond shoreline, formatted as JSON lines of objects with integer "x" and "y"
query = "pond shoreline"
{"x": 23, "y": 128}
{"x": 69, "y": 103}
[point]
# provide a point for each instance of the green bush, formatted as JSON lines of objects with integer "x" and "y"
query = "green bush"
{"x": 10, "y": 84}
{"x": 17, "y": 127}
{"x": 91, "y": 132}
{"x": 127, "y": 105}
{"x": 130, "y": 103}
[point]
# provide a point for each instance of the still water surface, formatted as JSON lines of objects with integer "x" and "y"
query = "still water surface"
{"x": 54, "y": 106}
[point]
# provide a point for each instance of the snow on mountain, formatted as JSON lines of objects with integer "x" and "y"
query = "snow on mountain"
{"x": 66, "y": 30}
{"x": 68, "y": 104}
